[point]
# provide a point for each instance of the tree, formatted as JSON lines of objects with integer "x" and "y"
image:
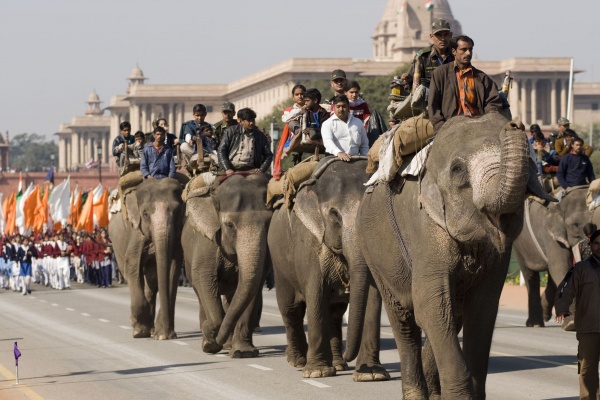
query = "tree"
{"x": 31, "y": 152}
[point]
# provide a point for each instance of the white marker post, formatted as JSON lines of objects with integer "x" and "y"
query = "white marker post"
{"x": 17, "y": 355}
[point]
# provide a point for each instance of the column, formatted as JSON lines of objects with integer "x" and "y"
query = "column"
{"x": 90, "y": 148}
{"x": 69, "y": 163}
{"x": 152, "y": 116}
{"x": 74, "y": 150}
{"x": 553, "y": 102}
{"x": 534, "y": 117}
{"x": 564, "y": 86}
{"x": 144, "y": 117}
{"x": 62, "y": 154}
{"x": 513, "y": 99}
{"x": 82, "y": 159}
{"x": 523, "y": 104}
{"x": 134, "y": 117}
{"x": 172, "y": 125}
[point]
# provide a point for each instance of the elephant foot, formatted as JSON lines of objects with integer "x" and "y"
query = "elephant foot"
{"x": 318, "y": 371}
{"x": 165, "y": 335}
{"x": 569, "y": 324}
{"x": 374, "y": 373}
{"x": 296, "y": 361}
{"x": 210, "y": 346}
{"x": 534, "y": 324}
{"x": 243, "y": 351}
{"x": 340, "y": 365}
{"x": 142, "y": 332}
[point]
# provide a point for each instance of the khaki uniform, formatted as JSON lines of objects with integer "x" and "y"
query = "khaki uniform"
{"x": 219, "y": 128}
{"x": 429, "y": 60}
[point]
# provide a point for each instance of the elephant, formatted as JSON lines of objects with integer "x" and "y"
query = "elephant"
{"x": 225, "y": 249}
{"x": 549, "y": 233}
{"x": 438, "y": 247}
{"x": 314, "y": 250}
{"x": 148, "y": 249}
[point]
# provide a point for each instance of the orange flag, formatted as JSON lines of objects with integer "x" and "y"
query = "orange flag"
{"x": 41, "y": 212}
{"x": 29, "y": 206}
{"x": 75, "y": 207}
{"x": 11, "y": 214}
{"x": 101, "y": 209}
{"x": 86, "y": 218}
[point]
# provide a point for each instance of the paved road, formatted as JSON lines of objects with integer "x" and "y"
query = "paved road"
{"x": 77, "y": 345}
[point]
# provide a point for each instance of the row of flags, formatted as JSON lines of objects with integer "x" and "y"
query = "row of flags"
{"x": 40, "y": 208}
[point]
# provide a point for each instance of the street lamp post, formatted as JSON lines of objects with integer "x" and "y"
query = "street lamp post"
{"x": 52, "y": 160}
{"x": 99, "y": 152}
{"x": 274, "y": 140}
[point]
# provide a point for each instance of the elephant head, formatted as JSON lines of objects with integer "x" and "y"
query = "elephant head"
{"x": 156, "y": 211}
{"x": 565, "y": 220}
{"x": 234, "y": 217}
{"x": 476, "y": 178}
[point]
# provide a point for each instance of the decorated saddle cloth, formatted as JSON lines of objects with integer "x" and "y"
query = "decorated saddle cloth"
{"x": 411, "y": 136}
{"x": 199, "y": 184}
{"x": 592, "y": 200}
{"x": 283, "y": 191}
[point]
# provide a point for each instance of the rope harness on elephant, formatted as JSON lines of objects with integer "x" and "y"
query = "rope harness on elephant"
{"x": 389, "y": 202}
{"x": 528, "y": 222}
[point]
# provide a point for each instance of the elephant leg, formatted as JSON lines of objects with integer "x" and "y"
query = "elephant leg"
{"x": 548, "y": 299}
{"x": 241, "y": 342}
{"x": 319, "y": 359}
{"x": 142, "y": 317}
{"x": 532, "y": 282}
{"x": 167, "y": 329}
{"x": 337, "y": 311}
{"x": 151, "y": 292}
{"x": 368, "y": 366}
{"x": 292, "y": 312}
{"x": 432, "y": 376}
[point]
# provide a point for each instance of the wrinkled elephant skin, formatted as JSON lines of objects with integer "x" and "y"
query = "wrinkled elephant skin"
{"x": 148, "y": 248}
{"x": 225, "y": 245}
{"x": 314, "y": 250}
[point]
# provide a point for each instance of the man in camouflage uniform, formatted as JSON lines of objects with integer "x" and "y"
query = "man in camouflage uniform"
{"x": 228, "y": 113}
{"x": 429, "y": 58}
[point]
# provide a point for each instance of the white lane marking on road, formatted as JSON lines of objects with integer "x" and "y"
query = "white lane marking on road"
{"x": 125, "y": 327}
{"x": 54, "y": 305}
{"x": 85, "y": 314}
{"x": 69, "y": 309}
{"x": 511, "y": 324}
{"x": 220, "y": 355}
{"x": 103, "y": 320}
{"x": 32, "y": 297}
{"x": 260, "y": 367}
{"x": 179, "y": 342}
{"x": 497, "y": 353}
{"x": 43, "y": 301}
{"x": 315, "y": 383}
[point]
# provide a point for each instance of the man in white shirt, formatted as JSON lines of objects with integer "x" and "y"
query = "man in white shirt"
{"x": 343, "y": 134}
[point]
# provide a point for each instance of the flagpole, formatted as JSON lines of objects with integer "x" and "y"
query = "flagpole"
{"x": 17, "y": 375}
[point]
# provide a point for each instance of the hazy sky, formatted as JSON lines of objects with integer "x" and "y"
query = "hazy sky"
{"x": 55, "y": 52}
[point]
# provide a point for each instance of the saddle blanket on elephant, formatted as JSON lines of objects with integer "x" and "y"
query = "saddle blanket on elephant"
{"x": 412, "y": 165}
{"x": 412, "y": 135}
{"x": 592, "y": 200}
{"x": 289, "y": 184}
{"x": 205, "y": 179}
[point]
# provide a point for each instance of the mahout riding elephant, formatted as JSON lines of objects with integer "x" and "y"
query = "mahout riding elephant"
{"x": 545, "y": 243}
{"x": 225, "y": 245}
{"x": 148, "y": 249}
{"x": 314, "y": 248}
{"x": 439, "y": 247}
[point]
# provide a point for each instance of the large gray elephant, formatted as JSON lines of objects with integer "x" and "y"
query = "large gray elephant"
{"x": 549, "y": 233}
{"x": 225, "y": 245}
{"x": 148, "y": 250}
{"x": 315, "y": 252}
{"x": 439, "y": 248}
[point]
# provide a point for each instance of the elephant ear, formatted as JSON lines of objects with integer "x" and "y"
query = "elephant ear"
{"x": 555, "y": 225}
{"x": 133, "y": 210}
{"x": 307, "y": 210}
{"x": 202, "y": 215}
{"x": 432, "y": 201}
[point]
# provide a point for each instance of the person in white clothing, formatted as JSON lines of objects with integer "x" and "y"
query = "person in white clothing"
{"x": 343, "y": 134}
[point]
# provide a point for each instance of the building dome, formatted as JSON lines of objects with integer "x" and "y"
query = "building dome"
{"x": 137, "y": 73}
{"x": 93, "y": 97}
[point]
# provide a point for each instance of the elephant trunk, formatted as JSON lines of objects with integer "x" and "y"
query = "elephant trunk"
{"x": 359, "y": 287}
{"x": 510, "y": 181}
{"x": 251, "y": 255}
{"x": 163, "y": 244}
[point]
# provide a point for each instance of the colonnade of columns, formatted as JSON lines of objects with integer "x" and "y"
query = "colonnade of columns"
{"x": 77, "y": 148}
{"x": 541, "y": 101}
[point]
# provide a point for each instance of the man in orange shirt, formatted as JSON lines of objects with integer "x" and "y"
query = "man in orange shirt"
{"x": 459, "y": 88}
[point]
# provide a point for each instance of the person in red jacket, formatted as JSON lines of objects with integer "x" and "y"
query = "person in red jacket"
{"x": 358, "y": 107}
{"x": 89, "y": 255}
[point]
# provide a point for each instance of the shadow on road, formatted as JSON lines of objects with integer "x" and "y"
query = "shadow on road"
{"x": 500, "y": 364}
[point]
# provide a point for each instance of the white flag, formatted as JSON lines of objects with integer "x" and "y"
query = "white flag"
{"x": 59, "y": 202}
{"x": 20, "y": 218}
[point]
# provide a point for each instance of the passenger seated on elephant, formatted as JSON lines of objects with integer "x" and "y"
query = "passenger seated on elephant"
{"x": 343, "y": 134}
{"x": 119, "y": 142}
{"x": 575, "y": 168}
{"x": 209, "y": 145}
{"x": 546, "y": 159}
{"x": 188, "y": 147}
{"x": 157, "y": 159}
{"x": 307, "y": 128}
{"x": 564, "y": 144}
{"x": 244, "y": 147}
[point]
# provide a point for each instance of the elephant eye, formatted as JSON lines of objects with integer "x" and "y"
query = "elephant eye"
{"x": 230, "y": 225}
{"x": 459, "y": 173}
{"x": 334, "y": 216}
